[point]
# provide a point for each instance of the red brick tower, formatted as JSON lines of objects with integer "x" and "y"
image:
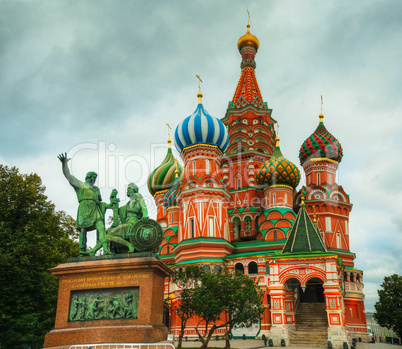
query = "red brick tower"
{"x": 252, "y": 141}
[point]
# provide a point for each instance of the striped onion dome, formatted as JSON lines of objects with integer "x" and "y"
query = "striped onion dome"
{"x": 201, "y": 127}
{"x": 321, "y": 144}
{"x": 170, "y": 197}
{"x": 278, "y": 170}
{"x": 162, "y": 177}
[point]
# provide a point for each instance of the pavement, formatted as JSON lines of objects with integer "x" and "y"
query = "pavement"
{"x": 258, "y": 343}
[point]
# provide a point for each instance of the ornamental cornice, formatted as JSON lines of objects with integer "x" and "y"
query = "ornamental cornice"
{"x": 200, "y": 144}
{"x": 319, "y": 159}
{"x": 160, "y": 192}
{"x": 278, "y": 186}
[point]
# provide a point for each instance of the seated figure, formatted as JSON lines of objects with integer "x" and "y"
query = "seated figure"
{"x": 129, "y": 215}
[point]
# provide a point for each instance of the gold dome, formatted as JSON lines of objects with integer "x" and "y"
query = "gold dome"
{"x": 248, "y": 39}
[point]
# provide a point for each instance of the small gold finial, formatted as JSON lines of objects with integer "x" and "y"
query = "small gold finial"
{"x": 199, "y": 94}
{"x": 277, "y": 139}
{"x": 321, "y": 116}
{"x": 176, "y": 172}
{"x": 314, "y": 215}
{"x": 302, "y": 198}
{"x": 169, "y": 140}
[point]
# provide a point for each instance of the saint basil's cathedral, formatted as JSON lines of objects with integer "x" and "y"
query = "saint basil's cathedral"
{"x": 235, "y": 203}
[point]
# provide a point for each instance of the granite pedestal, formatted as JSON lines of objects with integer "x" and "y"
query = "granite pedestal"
{"x": 115, "y": 282}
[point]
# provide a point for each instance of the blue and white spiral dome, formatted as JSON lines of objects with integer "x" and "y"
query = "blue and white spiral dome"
{"x": 201, "y": 127}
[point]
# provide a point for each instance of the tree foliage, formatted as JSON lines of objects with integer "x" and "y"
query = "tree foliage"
{"x": 186, "y": 280}
{"x": 33, "y": 238}
{"x": 389, "y": 307}
{"x": 234, "y": 299}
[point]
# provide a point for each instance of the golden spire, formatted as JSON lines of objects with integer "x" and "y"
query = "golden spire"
{"x": 169, "y": 140}
{"x": 277, "y": 139}
{"x": 302, "y": 198}
{"x": 199, "y": 94}
{"x": 321, "y": 116}
{"x": 314, "y": 215}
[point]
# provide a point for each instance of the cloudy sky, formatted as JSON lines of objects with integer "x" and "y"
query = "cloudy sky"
{"x": 100, "y": 80}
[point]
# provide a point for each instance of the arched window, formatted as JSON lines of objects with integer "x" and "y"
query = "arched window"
{"x": 318, "y": 178}
{"x": 252, "y": 268}
{"x": 275, "y": 235}
{"x": 238, "y": 186}
{"x": 247, "y": 223}
{"x": 239, "y": 267}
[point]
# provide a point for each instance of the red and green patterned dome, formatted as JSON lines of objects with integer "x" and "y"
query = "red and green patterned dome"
{"x": 321, "y": 144}
{"x": 278, "y": 170}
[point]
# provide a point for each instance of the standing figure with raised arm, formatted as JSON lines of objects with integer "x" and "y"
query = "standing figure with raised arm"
{"x": 91, "y": 209}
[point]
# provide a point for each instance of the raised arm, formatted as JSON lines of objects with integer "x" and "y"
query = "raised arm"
{"x": 73, "y": 181}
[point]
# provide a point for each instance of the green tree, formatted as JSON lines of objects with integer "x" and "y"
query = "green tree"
{"x": 389, "y": 307}
{"x": 234, "y": 299}
{"x": 186, "y": 280}
{"x": 33, "y": 238}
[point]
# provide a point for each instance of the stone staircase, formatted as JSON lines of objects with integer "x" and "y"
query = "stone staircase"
{"x": 311, "y": 326}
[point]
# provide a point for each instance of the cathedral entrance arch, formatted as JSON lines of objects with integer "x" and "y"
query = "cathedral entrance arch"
{"x": 313, "y": 291}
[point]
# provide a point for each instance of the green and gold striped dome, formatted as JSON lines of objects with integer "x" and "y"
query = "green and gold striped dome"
{"x": 278, "y": 170}
{"x": 163, "y": 177}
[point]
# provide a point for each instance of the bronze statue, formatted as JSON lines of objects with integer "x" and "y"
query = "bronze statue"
{"x": 91, "y": 209}
{"x": 132, "y": 212}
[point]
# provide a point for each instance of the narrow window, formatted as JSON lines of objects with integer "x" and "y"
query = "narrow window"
{"x": 338, "y": 240}
{"x": 275, "y": 235}
{"x": 211, "y": 226}
{"x": 328, "y": 224}
{"x": 274, "y": 198}
{"x": 238, "y": 183}
{"x": 172, "y": 218}
{"x": 193, "y": 168}
{"x": 318, "y": 179}
{"x": 207, "y": 166}
{"x": 192, "y": 227}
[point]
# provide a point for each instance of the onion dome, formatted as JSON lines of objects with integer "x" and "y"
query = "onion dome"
{"x": 321, "y": 144}
{"x": 162, "y": 177}
{"x": 170, "y": 197}
{"x": 248, "y": 39}
{"x": 201, "y": 127}
{"x": 278, "y": 170}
